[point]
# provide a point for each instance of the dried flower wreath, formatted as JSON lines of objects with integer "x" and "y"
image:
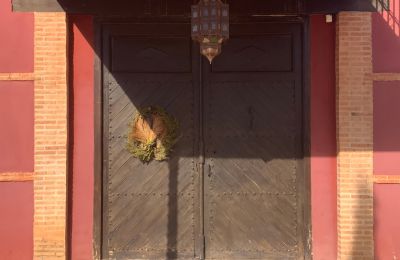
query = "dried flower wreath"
{"x": 153, "y": 134}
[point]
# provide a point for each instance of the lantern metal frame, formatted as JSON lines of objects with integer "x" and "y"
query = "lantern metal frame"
{"x": 210, "y": 26}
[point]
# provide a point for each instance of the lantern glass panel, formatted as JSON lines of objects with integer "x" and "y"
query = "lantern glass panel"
{"x": 205, "y": 11}
{"x": 195, "y": 12}
{"x": 225, "y": 11}
{"x": 213, "y": 11}
{"x": 213, "y": 25}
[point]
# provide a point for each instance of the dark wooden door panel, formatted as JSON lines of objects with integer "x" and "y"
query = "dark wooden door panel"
{"x": 256, "y": 108}
{"x": 151, "y": 54}
{"x": 259, "y": 170}
{"x": 149, "y": 210}
{"x": 142, "y": 197}
{"x": 253, "y": 146}
{"x": 243, "y": 114}
{"x": 253, "y": 226}
{"x": 265, "y": 53}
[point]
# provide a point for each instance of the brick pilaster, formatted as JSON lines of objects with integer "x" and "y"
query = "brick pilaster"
{"x": 50, "y": 136}
{"x": 354, "y": 136}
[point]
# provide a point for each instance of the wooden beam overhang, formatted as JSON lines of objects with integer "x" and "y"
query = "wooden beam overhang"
{"x": 335, "y": 6}
{"x": 182, "y": 7}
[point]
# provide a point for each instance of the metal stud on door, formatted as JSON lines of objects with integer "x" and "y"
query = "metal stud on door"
{"x": 233, "y": 187}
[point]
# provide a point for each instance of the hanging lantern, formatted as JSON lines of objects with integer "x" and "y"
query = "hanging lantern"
{"x": 210, "y": 26}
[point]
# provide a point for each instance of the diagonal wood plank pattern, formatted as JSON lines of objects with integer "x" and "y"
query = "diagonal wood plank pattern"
{"x": 233, "y": 187}
{"x": 252, "y": 204}
{"x": 253, "y": 151}
{"x": 140, "y": 196}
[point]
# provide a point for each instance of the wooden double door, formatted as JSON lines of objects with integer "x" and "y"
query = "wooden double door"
{"x": 234, "y": 186}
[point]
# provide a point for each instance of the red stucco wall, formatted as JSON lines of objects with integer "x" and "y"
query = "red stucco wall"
{"x": 16, "y": 218}
{"x": 387, "y": 127}
{"x": 323, "y": 138}
{"x": 16, "y": 131}
{"x": 16, "y": 134}
{"x": 386, "y": 39}
{"x": 387, "y": 162}
{"x": 82, "y": 173}
{"x": 386, "y": 221}
{"x": 386, "y": 59}
{"x": 16, "y": 34}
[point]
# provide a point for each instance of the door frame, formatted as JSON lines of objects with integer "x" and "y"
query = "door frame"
{"x": 99, "y": 22}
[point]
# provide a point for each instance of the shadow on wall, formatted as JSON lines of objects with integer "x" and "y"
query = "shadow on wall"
{"x": 386, "y": 59}
{"x": 391, "y": 14}
{"x": 390, "y": 20}
{"x": 360, "y": 226}
{"x": 386, "y": 38}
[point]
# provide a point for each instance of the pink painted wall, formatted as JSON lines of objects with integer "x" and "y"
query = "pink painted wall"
{"x": 16, "y": 221}
{"x": 386, "y": 221}
{"x": 16, "y": 46}
{"x": 386, "y": 59}
{"x": 16, "y": 131}
{"x": 387, "y": 127}
{"x": 323, "y": 139}
{"x": 82, "y": 174}
{"x": 16, "y": 134}
{"x": 386, "y": 162}
{"x": 386, "y": 39}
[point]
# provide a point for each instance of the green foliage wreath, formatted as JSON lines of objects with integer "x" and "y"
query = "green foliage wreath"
{"x": 153, "y": 133}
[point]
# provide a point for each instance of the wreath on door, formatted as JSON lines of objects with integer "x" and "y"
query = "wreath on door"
{"x": 153, "y": 133}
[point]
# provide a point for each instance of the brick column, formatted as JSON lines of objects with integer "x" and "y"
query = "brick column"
{"x": 50, "y": 136}
{"x": 354, "y": 136}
